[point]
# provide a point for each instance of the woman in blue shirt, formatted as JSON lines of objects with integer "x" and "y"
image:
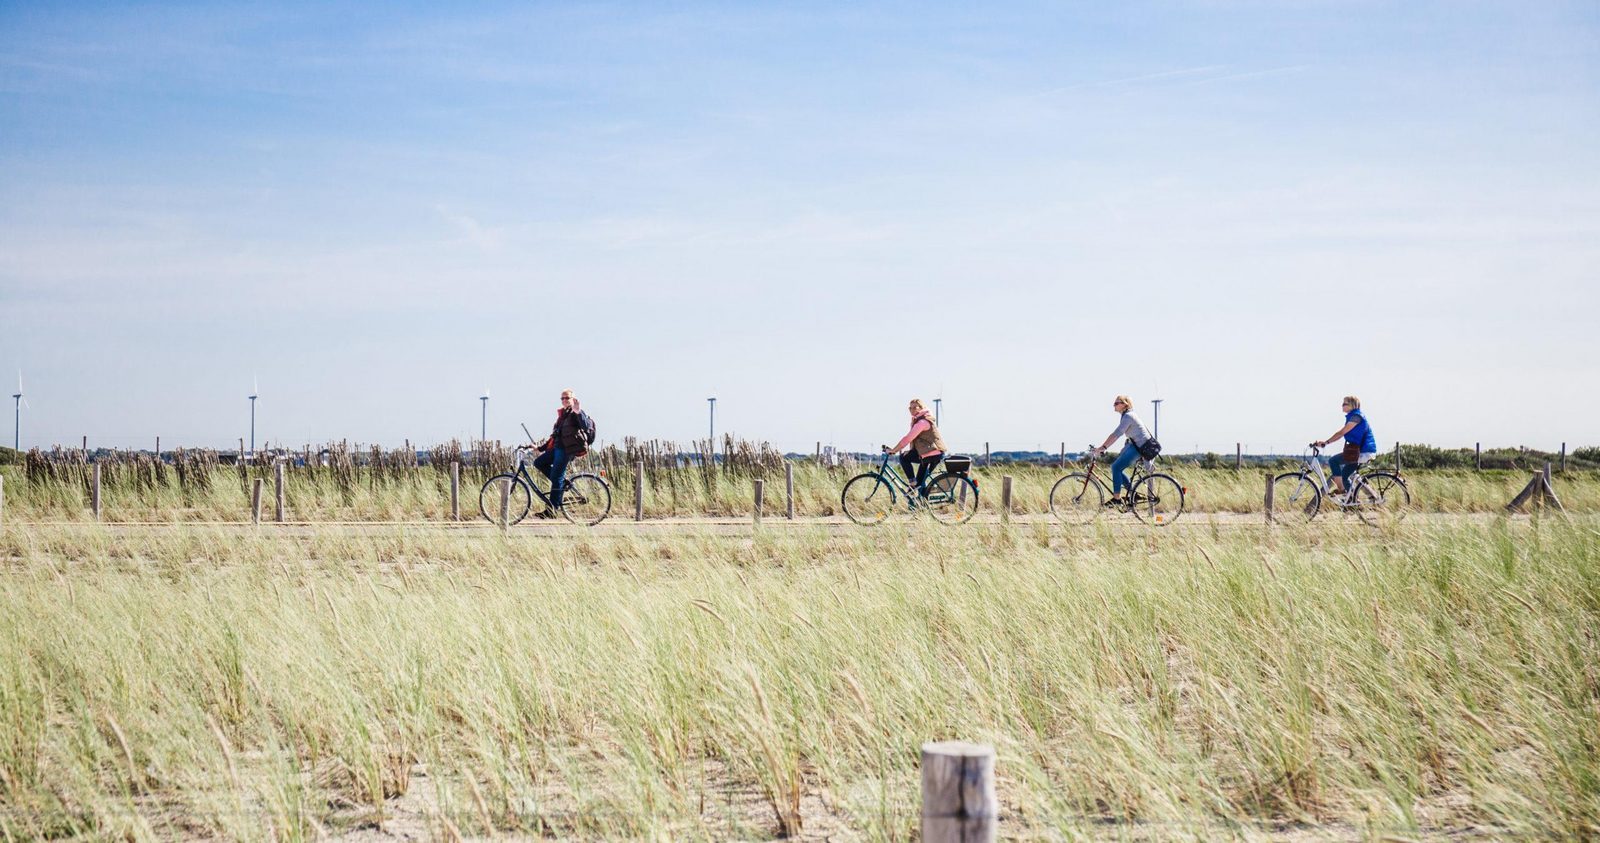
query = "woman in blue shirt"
{"x": 1359, "y": 444}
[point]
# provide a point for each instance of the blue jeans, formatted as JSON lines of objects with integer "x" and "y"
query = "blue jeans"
{"x": 1119, "y": 469}
{"x": 1341, "y": 469}
{"x": 553, "y": 464}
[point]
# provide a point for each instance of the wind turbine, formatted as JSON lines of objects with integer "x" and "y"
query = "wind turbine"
{"x": 483, "y": 432}
{"x": 255, "y": 387}
{"x": 16, "y": 436}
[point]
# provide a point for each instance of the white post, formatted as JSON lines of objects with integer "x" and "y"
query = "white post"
{"x": 958, "y": 796}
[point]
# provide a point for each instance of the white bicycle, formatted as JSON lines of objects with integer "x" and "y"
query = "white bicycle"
{"x": 1378, "y": 497}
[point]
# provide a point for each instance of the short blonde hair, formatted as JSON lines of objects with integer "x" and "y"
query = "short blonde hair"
{"x": 917, "y": 403}
{"x": 1354, "y": 402}
{"x": 1125, "y": 400}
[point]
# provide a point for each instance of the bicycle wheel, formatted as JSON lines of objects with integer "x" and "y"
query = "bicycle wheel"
{"x": 867, "y": 499}
{"x": 952, "y": 499}
{"x": 1156, "y": 499}
{"x": 518, "y": 501}
{"x": 1381, "y": 498}
{"x": 1077, "y": 499}
{"x": 1295, "y": 497}
{"x": 585, "y": 499}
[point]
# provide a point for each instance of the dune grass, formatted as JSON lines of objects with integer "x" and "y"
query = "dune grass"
{"x": 1435, "y": 679}
{"x": 423, "y": 494}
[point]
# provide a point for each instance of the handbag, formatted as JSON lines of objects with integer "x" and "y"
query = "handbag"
{"x": 1351, "y": 453}
{"x": 1150, "y": 449}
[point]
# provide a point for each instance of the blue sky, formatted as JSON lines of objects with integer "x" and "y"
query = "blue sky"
{"x": 811, "y": 211}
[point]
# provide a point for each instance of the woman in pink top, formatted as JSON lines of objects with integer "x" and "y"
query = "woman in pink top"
{"x": 924, "y": 446}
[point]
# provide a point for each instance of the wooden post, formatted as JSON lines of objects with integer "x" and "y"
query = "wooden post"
{"x": 1268, "y": 499}
{"x": 505, "y": 504}
{"x": 277, "y": 477}
{"x": 788, "y": 489}
{"x": 1546, "y": 474}
{"x": 2, "y": 500}
{"x": 1005, "y": 498}
{"x": 819, "y": 451}
{"x": 986, "y": 461}
{"x": 158, "y": 449}
{"x": 455, "y": 490}
{"x": 241, "y": 450}
{"x": 1238, "y": 456}
{"x": 638, "y": 491}
{"x": 1477, "y": 455}
{"x": 1563, "y": 458}
{"x": 958, "y": 796}
{"x": 1397, "y": 457}
{"x": 94, "y": 493}
{"x": 85, "y": 448}
{"x": 1063, "y": 461}
{"x": 255, "y": 501}
{"x": 760, "y": 491}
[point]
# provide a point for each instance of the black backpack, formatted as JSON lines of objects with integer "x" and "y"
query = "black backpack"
{"x": 588, "y": 426}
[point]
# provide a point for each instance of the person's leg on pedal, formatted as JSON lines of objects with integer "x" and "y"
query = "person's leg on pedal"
{"x": 924, "y": 468}
{"x": 1119, "y": 470}
{"x": 907, "y": 461}
{"x": 558, "y": 470}
{"x": 1338, "y": 471}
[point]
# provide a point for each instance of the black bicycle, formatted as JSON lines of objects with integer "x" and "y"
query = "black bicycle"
{"x": 506, "y": 499}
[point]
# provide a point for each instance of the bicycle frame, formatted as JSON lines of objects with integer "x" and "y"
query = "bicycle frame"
{"x": 1314, "y": 467}
{"x": 903, "y": 486}
{"x": 1141, "y": 468}
{"x": 522, "y": 473}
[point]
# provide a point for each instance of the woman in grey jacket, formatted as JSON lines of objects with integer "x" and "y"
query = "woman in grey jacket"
{"x": 1131, "y": 427}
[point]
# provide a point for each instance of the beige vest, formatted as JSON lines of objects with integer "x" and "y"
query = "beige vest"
{"x": 928, "y": 441}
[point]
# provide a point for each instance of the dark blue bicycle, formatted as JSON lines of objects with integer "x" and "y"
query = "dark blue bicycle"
{"x": 952, "y": 496}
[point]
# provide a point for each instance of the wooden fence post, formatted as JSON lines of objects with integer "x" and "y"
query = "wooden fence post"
{"x": 1268, "y": 499}
{"x": 158, "y": 449}
{"x": 1477, "y": 455}
{"x": 1063, "y": 462}
{"x": 1238, "y": 456}
{"x": 255, "y": 501}
{"x": 760, "y": 489}
{"x": 455, "y": 490}
{"x": 85, "y": 448}
{"x": 94, "y": 493}
{"x": 1546, "y": 475}
{"x": 277, "y": 477}
{"x": 638, "y": 491}
{"x": 788, "y": 489}
{"x": 1397, "y": 457}
{"x": 819, "y": 450}
{"x": 241, "y": 450}
{"x": 1563, "y": 458}
{"x": 1005, "y": 498}
{"x": 986, "y": 461}
{"x": 505, "y": 504}
{"x": 958, "y": 796}
{"x": 2, "y": 500}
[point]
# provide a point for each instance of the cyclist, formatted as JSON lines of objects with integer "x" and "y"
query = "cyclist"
{"x": 569, "y": 440}
{"x": 1131, "y": 427}
{"x": 926, "y": 446}
{"x": 1360, "y": 446}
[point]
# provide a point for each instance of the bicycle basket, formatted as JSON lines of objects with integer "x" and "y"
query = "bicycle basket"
{"x": 958, "y": 464}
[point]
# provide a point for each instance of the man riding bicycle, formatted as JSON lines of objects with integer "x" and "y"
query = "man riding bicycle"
{"x": 1360, "y": 446}
{"x": 569, "y": 440}
{"x": 1131, "y": 427}
{"x": 926, "y": 447}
